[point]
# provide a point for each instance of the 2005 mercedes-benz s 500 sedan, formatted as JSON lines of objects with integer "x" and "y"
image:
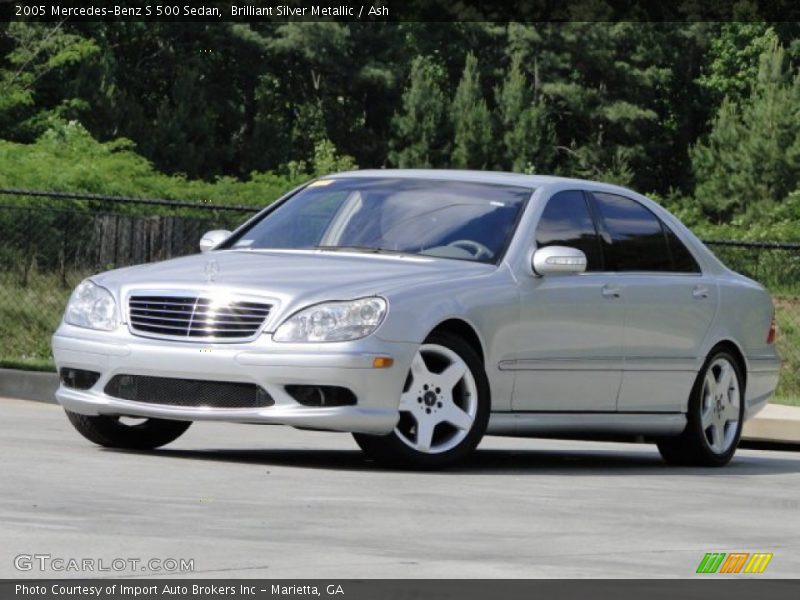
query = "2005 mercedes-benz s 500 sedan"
{"x": 420, "y": 310}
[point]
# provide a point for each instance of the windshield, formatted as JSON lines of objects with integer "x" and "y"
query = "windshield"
{"x": 466, "y": 221}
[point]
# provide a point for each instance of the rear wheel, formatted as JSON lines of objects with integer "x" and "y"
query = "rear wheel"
{"x": 133, "y": 434}
{"x": 715, "y": 417}
{"x": 444, "y": 408}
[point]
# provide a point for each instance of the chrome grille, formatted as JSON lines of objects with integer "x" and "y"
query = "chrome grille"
{"x": 195, "y": 317}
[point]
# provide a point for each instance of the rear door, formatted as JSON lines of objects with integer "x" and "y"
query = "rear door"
{"x": 669, "y": 305}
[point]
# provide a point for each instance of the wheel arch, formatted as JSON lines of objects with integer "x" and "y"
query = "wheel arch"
{"x": 463, "y": 330}
{"x": 736, "y": 352}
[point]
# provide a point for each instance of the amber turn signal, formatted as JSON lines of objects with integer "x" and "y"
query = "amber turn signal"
{"x": 382, "y": 362}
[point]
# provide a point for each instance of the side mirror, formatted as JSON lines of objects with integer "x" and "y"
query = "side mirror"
{"x": 211, "y": 239}
{"x": 558, "y": 259}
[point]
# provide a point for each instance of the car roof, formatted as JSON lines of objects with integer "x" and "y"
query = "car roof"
{"x": 495, "y": 177}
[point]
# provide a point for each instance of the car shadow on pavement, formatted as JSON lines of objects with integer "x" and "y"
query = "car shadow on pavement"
{"x": 639, "y": 460}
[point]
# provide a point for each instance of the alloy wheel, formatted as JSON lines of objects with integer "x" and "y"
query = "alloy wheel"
{"x": 439, "y": 403}
{"x": 719, "y": 411}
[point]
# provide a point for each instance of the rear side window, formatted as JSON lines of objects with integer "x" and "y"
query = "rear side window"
{"x": 682, "y": 259}
{"x": 566, "y": 221}
{"x": 634, "y": 239}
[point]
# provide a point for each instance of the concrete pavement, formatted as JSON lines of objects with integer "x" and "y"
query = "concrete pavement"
{"x": 251, "y": 501}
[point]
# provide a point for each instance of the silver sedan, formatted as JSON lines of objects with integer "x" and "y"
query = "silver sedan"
{"x": 420, "y": 310}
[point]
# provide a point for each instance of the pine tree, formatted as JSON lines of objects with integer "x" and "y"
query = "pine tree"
{"x": 753, "y": 151}
{"x": 528, "y": 134}
{"x": 472, "y": 121}
{"x": 422, "y": 126}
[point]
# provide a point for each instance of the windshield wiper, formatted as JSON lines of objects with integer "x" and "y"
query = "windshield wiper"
{"x": 365, "y": 249}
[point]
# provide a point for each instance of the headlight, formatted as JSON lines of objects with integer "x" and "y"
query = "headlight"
{"x": 91, "y": 306}
{"x": 333, "y": 321}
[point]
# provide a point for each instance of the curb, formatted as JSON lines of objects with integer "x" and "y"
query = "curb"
{"x": 38, "y": 386}
{"x": 775, "y": 424}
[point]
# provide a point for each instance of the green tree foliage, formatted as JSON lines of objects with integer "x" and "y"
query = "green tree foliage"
{"x": 212, "y": 104}
{"x": 40, "y": 76}
{"x": 227, "y": 99}
{"x": 752, "y": 153}
{"x": 472, "y": 122}
{"x": 326, "y": 160}
{"x": 609, "y": 88}
{"x": 200, "y": 99}
{"x": 529, "y": 138}
{"x": 340, "y": 82}
{"x": 733, "y": 59}
{"x": 422, "y": 125}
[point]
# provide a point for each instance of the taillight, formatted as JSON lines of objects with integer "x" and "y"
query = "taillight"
{"x": 773, "y": 330}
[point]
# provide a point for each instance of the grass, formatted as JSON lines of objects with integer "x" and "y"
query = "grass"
{"x": 29, "y": 365}
{"x": 786, "y": 400}
{"x": 30, "y": 314}
{"x": 787, "y": 317}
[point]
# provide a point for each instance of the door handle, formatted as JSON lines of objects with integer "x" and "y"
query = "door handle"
{"x": 610, "y": 291}
{"x": 700, "y": 292}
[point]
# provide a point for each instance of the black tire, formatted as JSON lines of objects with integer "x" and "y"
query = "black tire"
{"x": 112, "y": 433}
{"x": 693, "y": 447}
{"x": 391, "y": 450}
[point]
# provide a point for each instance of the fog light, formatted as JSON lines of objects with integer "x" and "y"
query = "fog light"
{"x": 78, "y": 379}
{"x": 321, "y": 395}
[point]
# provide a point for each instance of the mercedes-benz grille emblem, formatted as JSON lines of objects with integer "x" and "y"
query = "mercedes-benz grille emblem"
{"x": 212, "y": 269}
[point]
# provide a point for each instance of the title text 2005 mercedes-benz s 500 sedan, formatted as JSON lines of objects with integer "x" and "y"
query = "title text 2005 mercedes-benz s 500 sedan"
{"x": 420, "y": 310}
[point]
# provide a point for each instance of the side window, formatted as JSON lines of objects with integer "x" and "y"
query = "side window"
{"x": 566, "y": 221}
{"x": 634, "y": 238}
{"x": 682, "y": 259}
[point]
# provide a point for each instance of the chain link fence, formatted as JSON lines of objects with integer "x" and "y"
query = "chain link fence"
{"x": 777, "y": 267}
{"x": 51, "y": 241}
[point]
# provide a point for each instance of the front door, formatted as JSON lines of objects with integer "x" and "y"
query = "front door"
{"x": 570, "y": 334}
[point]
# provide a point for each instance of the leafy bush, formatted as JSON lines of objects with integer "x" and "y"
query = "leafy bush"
{"x": 766, "y": 221}
{"x": 67, "y": 158}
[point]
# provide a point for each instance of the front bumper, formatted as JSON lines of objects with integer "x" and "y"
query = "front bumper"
{"x": 263, "y": 362}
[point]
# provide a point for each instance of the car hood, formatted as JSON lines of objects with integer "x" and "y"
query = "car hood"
{"x": 289, "y": 278}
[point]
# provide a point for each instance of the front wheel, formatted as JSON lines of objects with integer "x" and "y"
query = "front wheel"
{"x": 444, "y": 408}
{"x": 716, "y": 414}
{"x": 116, "y": 432}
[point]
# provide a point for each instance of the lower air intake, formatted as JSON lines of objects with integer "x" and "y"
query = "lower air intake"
{"x": 188, "y": 392}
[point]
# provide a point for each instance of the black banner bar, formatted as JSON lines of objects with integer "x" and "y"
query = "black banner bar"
{"x": 397, "y": 11}
{"x": 708, "y": 587}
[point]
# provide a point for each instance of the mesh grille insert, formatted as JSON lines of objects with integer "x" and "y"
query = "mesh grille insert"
{"x": 188, "y": 392}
